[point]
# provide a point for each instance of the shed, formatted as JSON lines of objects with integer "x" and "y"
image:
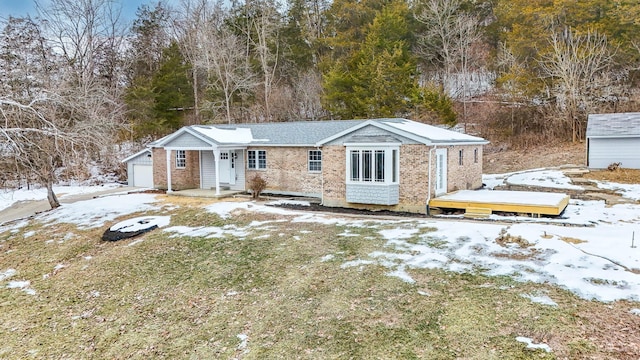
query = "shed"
{"x": 140, "y": 169}
{"x": 613, "y": 138}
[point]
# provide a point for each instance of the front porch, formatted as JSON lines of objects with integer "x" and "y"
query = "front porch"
{"x": 206, "y": 193}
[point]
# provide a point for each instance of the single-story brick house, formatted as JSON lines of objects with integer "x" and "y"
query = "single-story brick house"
{"x": 613, "y": 138}
{"x": 394, "y": 164}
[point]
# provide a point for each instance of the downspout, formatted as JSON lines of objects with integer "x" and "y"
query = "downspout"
{"x": 168, "y": 156}
{"x": 321, "y": 178}
{"x": 429, "y": 189}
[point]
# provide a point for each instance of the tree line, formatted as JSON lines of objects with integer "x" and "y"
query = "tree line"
{"x": 77, "y": 77}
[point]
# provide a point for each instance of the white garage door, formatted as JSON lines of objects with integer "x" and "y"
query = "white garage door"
{"x": 142, "y": 175}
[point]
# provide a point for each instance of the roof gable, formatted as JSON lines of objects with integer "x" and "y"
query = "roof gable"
{"x": 419, "y": 132}
{"x": 145, "y": 152}
{"x": 184, "y": 137}
{"x": 613, "y": 125}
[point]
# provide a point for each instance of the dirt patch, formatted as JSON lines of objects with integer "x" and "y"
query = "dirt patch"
{"x": 498, "y": 160}
{"x": 571, "y": 240}
{"x": 505, "y": 238}
{"x": 620, "y": 175}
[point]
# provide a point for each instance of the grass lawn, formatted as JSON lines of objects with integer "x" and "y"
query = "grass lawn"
{"x": 273, "y": 289}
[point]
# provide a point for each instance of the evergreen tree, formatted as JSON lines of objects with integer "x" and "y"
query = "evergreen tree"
{"x": 380, "y": 78}
{"x": 172, "y": 91}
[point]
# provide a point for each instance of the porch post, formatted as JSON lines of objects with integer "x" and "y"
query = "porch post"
{"x": 168, "y": 151}
{"x": 216, "y": 155}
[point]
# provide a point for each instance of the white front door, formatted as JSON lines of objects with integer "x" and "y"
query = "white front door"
{"x": 441, "y": 172}
{"x": 225, "y": 167}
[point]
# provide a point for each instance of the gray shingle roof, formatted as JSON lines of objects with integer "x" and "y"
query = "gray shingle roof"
{"x": 314, "y": 133}
{"x": 613, "y": 125}
{"x": 295, "y": 132}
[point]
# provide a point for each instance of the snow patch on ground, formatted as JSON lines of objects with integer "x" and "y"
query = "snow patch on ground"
{"x": 532, "y": 345}
{"x": 22, "y": 285}
{"x": 544, "y": 178}
{"x": 96, "y": 212}
{"x": 9, "y": 197}
{"x": 540, "y": 299}
{"x": 289, "y": 202}
{"x": 630, "y": 191}
{"x": 243, "y": 341}
{"x": 7, "y": 274}
{"x": 208, "y": 231}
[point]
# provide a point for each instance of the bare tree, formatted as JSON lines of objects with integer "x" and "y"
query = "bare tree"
{"x": 70, "y": 115}
{"x": 307, "y": 94}
{"x": 448, "y": 40}
{"x": 578, "y": 64}
{"x": 40, "y": 144}
{"x": 215, "y": 51}
{"x": 90, "y": 36}
{"x": 227, "y": 67}
{"x": 263, "y": 36}
{"x": 188, "y": 30}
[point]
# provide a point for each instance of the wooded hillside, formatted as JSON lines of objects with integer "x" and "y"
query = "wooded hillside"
{"x": 514, "y": 71}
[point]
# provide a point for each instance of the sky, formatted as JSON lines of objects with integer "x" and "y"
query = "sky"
{"x": 25, "y": 7}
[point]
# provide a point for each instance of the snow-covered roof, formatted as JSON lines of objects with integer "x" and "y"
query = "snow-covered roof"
{"x": 432, "y": 133}
{"x": 614, "y": 125}
{"x": 225, "y": 136}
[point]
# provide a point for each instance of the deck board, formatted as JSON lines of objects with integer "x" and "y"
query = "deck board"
{"x": 528, "y": 202}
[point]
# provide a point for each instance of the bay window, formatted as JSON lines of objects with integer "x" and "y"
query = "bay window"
{"x": 372, "y": 165}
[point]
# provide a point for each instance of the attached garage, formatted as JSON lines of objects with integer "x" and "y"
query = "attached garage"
{"x": 140, "y": 169}
{"x": 613, "y": 138}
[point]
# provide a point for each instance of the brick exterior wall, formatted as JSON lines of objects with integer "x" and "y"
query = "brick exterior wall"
{"x": 333, "y": 173}
{"x": 287, "y": 171}
{"x": 187, "y": 178}
{"x": 467, "y": 176}
{"x": 414, "y": 176}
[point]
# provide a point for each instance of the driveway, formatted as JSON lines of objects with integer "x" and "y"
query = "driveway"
{"x": 24, "y": 209}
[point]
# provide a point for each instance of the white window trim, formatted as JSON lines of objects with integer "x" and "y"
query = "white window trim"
{"x": 184, "y": 159}
{"x": 388, "y": 160}
{"x": 257, "y": 159}
{"x": 309, "y": 161}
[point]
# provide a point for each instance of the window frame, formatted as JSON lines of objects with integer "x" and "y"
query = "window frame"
{"x": 181, "y": 159}
{"x": 373, "y": 164}
{"x": 461, "y": 157}
{"x": 475, "y": 155}
{"x": 259, "y": 162}
{"x": 314, "y": 161}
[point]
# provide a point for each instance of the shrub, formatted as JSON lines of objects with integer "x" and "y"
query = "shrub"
{"x": 257, "y": 184}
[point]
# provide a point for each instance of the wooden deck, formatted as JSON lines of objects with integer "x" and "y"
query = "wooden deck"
{"x": 482, "y": 202}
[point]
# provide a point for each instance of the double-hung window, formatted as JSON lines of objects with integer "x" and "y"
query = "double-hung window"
{"x": 372, "y": 165}
{"x": 181, "y": 159}
{"x": 315, "y": 160}
{"x": 257, "y": 159}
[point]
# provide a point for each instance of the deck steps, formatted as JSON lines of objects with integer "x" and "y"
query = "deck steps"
{"x": 477, "y": 213}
